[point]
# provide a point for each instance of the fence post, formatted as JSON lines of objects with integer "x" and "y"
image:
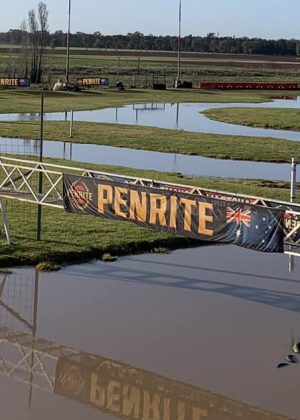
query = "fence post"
{"x": 71, "y": 123}
{"x": 293, "y": 181}
{"x": 39, "y": 215}
{"x": 292, "y": 199}
{"x": 5, "y": 223}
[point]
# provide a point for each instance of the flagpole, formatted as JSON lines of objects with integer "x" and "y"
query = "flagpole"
{"x": 179, "y": 42}
{"x": 68, "y": 43}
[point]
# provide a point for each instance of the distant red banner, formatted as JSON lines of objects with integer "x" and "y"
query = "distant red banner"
{"x": 248, "y": 85}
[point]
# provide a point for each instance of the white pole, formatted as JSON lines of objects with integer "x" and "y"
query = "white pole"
{"x": 292, "y": 199}
{"x": 179, "y": 42}
{"x": 68, "y": 44}
{"x": 5, "y": 223}
{"x": 293, "y": 181}
{"x": 71, "y": 123}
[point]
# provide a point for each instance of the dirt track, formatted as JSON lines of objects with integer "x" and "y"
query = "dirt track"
{"x": 208, "y": 57}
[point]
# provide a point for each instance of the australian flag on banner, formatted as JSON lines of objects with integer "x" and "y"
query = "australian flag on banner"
{"x": 255, "y": 227}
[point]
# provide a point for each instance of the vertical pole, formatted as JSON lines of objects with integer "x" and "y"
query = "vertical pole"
{"x": 5, "y": 223}
{"x": 34, "y": 328}
{"x": 292, "y": 199}
{"x": 39, "y": 216}
{"x": 138, "y": 64}
{"x": 71, "y": 123}
{"x": 179, "y": 43}
{"x": 68, "y": 44}
{"x": 293, "y": 181}
{"x": 118, "y": 68}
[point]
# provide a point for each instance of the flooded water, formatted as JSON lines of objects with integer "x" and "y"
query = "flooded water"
{"x": 140, "y": 159}
{"x": 174, "y": 116}
{"x": 194, "y": 334}
{"x": 185, "y": 116}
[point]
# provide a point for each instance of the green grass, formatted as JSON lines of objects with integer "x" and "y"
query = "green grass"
{"x": 192, "y": 69}
{"x": 14, "y": 100}
{"x": 287, "y": 119}
{"x": 161, "y": 140}
{"x": 68, "y": 238}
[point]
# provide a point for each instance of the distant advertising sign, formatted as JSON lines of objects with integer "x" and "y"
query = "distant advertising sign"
{"x": 14, "y": 82}
{"x": 93, "y": 81}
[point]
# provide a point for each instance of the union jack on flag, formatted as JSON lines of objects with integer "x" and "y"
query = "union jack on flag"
{"x": 238, "y": 216}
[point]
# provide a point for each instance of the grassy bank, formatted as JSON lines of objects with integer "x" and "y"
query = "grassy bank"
{"x": 161, "y": 140}
{"x": 68, "y": 238}
{"x": 13, "y": 100}
{"x": 284, "y": 119}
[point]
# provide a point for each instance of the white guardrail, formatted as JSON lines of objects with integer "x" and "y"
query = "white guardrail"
{"x": 19, "y": 180}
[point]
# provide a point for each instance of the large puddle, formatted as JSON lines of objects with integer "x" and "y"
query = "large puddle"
{"x": 174, "y": 116}
{"x": 140, "y": 159}
{"x": 185, "y": 116}
{"x": 152, "y": 336}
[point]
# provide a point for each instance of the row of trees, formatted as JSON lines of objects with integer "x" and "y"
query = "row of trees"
{"x": 210, "y": 43}
{"x": 33, "y": 37}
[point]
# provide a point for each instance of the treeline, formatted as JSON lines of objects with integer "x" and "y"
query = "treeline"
{"x": 210, "y": 43}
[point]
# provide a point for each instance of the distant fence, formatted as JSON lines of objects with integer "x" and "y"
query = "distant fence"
{"x": 248, "y": 85}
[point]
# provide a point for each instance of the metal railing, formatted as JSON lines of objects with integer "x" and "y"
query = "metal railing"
{"x": 19, "y": 181}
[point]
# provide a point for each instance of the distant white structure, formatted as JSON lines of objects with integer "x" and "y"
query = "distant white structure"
{"x": 59, "y": 86}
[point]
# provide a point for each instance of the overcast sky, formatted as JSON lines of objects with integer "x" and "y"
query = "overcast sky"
{"x": 254, "y": 18}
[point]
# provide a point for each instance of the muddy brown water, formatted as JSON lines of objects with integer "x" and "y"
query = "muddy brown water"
{"x": 197, "y": 333}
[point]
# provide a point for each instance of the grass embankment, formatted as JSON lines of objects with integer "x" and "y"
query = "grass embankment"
{"x": 160, "y": 140}
{"x": 284, "y": 119}
{"x": 68, "y": 238}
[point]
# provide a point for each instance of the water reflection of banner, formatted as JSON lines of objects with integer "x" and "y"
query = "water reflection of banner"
{"x": 131, "y": 393}
{"x": 193, "y": 216}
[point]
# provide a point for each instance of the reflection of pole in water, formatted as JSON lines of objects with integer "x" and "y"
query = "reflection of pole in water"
{"x": 174, "y": 166}
{"x": 291, "y": 263}
{"x": 71, "y": 147}
{"x": 177, "y": 114}
{"x": 136, "y": 116}
{"x": 116, "y": 114}
{"x": 34, "y": 328}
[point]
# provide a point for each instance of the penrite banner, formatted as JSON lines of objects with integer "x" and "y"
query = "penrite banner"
{"x": 14, "y": 82}
{"x": 198, "y": 217}
{"x": 131, "y": 393}
{"x": 93, "y": 81}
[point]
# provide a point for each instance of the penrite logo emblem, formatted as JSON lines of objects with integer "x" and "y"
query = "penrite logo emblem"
{"x": 71, "y": 381}
{"x": 80, "y": 195}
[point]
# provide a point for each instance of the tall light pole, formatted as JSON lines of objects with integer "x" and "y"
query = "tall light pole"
{"x": 179, "y": 42}
{"x": 68, "y": 44}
